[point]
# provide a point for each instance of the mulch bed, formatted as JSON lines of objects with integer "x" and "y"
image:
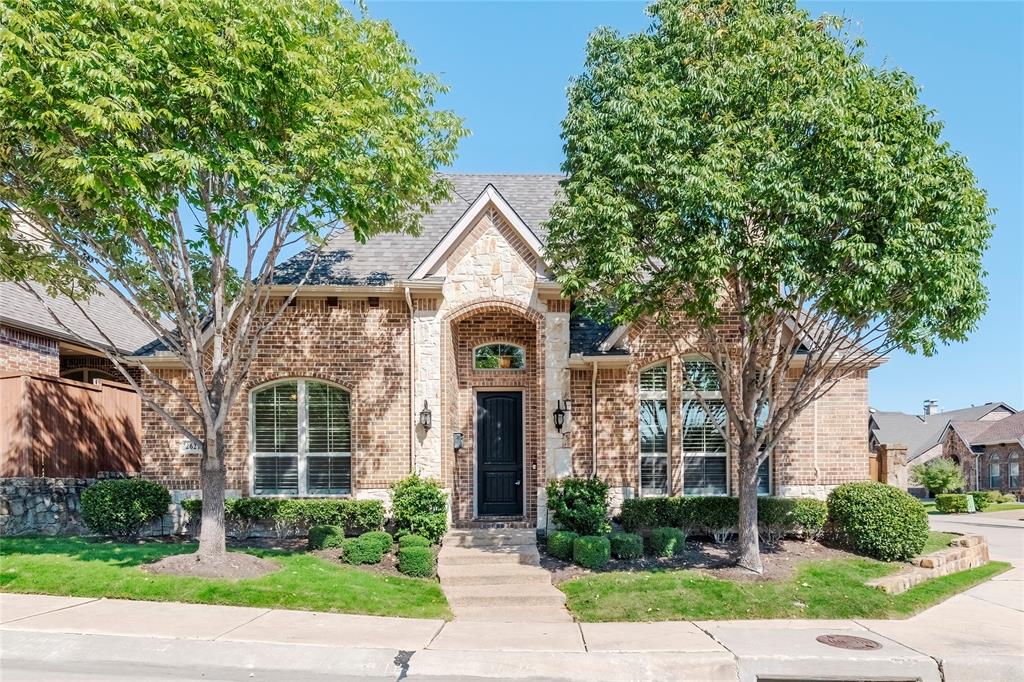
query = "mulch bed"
{"x": 716, "y": 561}
{"x": 232, "y": 566}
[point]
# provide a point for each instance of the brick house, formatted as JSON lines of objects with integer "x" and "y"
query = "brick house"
{"x": 454, "y": 354}
{"x": 985, "y": 440}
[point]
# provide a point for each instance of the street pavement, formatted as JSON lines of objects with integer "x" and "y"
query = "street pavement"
{"x": 977, "y": 636}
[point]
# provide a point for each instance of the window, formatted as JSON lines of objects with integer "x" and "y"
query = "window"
{"x": 654, "y": 431}
{"x": 499, "y": 356}
{"x": 705, "y": 451}
{"x": 88, "y": 375}
{"x": 764, "y": 469}
{"x": 995, "y": 476}
{"x": 1013, "y": 471}
{"x": 302, "y": 439}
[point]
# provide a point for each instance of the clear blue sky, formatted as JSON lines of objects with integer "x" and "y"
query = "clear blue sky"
{"x": 508, "y": 63}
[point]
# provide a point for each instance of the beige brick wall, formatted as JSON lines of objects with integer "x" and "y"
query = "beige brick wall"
{"x": 25, "y": 353}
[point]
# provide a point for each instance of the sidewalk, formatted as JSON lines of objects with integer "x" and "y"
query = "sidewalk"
{"x": 978, "y": 635}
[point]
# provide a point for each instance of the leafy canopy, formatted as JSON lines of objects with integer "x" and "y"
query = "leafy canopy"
{"x": 748, "y": 140}
{"x": 938, "y": 476}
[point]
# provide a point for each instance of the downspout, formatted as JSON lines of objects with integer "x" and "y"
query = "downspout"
{"x": 412, "y": 382}
{"x": 593, "y": 420}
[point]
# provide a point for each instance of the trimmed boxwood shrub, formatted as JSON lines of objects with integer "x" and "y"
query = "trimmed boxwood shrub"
{"x": 878, "y": 520}
{"x": 416, "y": 561}
{"x": 381, "y": 538}
{"x": 951, "y": 503}
{"x": 413, "y": 541}
{"x": 719, "y": 516}
{"x": 981, "y": 500}
{"x": 666, "y": 542}
{"x": 626, "y": 545}
{"x": 362, "y": 550}
{"x": 291, "y": 515}
{"x": 325, "y": 537}
{"x": 122, "y": 506}
{"x": 560, "y": 543}
{"x": 420, "y": 507}
{"x": 591, "y": 551}
{"x": 579, "y": 504}
{"x": 809, "y": 517}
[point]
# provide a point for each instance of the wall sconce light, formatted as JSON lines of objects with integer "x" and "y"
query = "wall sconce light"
{"x": 559, "y": 416}
{"x": 425, "y": 416}
{"x": 457, "y": 441}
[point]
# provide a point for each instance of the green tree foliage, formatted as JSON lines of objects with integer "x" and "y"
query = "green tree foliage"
{"x": 171, "y": 150}
{"x": 741, "y": 162}
{"x": 938, "y": 476}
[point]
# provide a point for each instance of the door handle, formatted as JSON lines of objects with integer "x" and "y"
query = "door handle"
{"x": 519, "y": 482}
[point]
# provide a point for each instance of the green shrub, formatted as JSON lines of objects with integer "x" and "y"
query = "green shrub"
{"x": 416, "y": 561}
{"x": 325, "y": 537}
{"x": 413, "y": 541}
{"x": 579, "y": 505}
{"x": 420, "y": 506}
{"x": 1007, "y": 498}
{"x": 719, "y": 516}
{"x": 775, "y": 519}
{"x": 951, "y": 504}
{"x": 121, "y": 507}
{"x": 626, "y": 545}
{"x": 981, "y": 500}
{"x": 591, "y": 551}
{"x": 560, "y": 543}
{"x": 645, "y": 513}
{"x": 878, "y": 520}
{"x": 362, "y": 551}
{"x": 381, "y": 538}
{"x": 938, "y": 476}
{"x": 667, "y": 542}
{"x": 291, "y": 515}
{"x": 809, "y": 517}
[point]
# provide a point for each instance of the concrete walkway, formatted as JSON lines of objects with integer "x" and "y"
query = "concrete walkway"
{"x": 41, "y": 637}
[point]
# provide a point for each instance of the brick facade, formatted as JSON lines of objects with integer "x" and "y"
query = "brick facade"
{"x": 22, "y": 352}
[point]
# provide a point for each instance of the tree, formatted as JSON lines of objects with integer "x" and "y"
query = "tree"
{"x": 740, "y": 175}
{"x": 938, "y": 476}
{"x": 171, "y": 151}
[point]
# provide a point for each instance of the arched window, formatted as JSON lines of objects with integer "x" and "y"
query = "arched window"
{"x": 89, "y": 375}
{"x": 499, "y": 356}
{"x": 301, "y": 439}
{"x": 654, "y": 431}
{"x": 995, "y": 474}
{"x": 1013, "y": 471}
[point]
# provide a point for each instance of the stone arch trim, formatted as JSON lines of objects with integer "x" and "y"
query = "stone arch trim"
{"x": 496, "y": 304}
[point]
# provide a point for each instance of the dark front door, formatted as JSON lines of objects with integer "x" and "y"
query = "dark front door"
{"x": 499, "y": 454}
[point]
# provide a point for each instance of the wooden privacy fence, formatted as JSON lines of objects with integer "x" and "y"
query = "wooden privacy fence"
{"x": 61, "y": 428}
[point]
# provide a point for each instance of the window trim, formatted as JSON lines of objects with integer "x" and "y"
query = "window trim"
{"x": 771, "y": 476}
{"x": 1011, "y": 459}
{"x": 302, "y": 440}
{"x": 996, "y": 460}
{"x": 500, "y": 369}
{"x": 86, "y": 371}
{"x": 665, "y": 395}
{"x": 687, "y": 396}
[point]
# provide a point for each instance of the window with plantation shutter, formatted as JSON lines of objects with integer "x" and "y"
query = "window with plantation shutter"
{"x": 302, "y": 439}
{"x": 705, "y": 450}
{"x": 654, "y": 431}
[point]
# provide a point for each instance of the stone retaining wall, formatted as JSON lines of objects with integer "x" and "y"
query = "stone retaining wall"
{"x": 966, "y": 552}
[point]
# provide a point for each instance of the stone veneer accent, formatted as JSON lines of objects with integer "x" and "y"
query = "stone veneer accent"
{"x": 966, "y": 552}
{"x": 22, "y": 352}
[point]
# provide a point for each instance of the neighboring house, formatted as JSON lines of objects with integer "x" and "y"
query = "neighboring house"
{"x": 990, "y": 454}
{"x": 949, "y": 434}
{"x": 454, "y": 354}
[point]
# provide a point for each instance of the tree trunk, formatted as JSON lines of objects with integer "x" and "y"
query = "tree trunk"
{"x": 213, "y": 476}
{"x": 749, "y": 550}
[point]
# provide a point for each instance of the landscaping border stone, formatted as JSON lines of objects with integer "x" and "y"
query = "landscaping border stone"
{"x": 966, "y": 552}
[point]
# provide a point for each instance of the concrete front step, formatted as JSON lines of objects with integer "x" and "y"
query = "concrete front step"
{"x": 503, "y": 596}
{"x": 491, "y": 538}
{"x": 492, "y": 574}
{"x": 514, "y": 614}
{"x": 465, "y": 556}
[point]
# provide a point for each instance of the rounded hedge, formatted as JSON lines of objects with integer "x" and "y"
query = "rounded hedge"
{"x": 591, "y": 551}
{"x": 878, "y": 520}
{"x": 384, "y": 540}
{"x": 951, "y": 503}
{"x": 413, "y": 541}
{"x": 981, "y": 500}
{"x": 362, "y": 551}
{"x": 560, "y": 544}
{"x": 325, "y": 537}
{"x": 122, "y": 506}
{"x": 666, "y": 542}
{"x": 416, "y": 561}
{"x": 626, "y": 545}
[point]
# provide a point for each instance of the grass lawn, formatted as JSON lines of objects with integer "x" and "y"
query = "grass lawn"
{"x": 937, "y": 541}
{"x": 78, "y": 567}
{"x": 820, "y": 589}
{"x": 1001, "y": 506}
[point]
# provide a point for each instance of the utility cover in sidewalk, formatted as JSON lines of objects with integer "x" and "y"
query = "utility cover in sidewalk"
{"x": 849, "y": 642}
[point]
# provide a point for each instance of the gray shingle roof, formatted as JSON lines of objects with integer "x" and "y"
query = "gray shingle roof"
{"x": 21, "y": 309}
{"x": 389, "y": 257}
{"x": 1006, "y": 430}
{"x": 920, "y": 433}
